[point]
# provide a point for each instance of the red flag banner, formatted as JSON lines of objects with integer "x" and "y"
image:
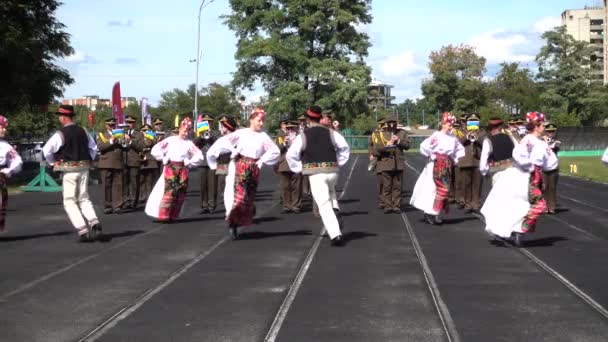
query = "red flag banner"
{"x": 91, "y": 118}
{"x": 117, "y": 105}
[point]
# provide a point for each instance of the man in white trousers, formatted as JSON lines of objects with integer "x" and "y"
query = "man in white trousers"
{"x": 319, "y": 152}
{"x": 71, "y": 151}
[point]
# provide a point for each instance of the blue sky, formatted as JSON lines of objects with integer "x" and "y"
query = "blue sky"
{"x": 147, "y": 45}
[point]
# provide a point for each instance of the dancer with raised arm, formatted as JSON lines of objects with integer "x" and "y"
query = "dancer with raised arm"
{"x": 250, "y": 148}
{"x": 10, "y": 164}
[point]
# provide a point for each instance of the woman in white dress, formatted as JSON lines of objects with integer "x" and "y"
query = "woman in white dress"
{"x": 177, "y": 153}
{"x": 250, "y": 148}
{"x": 433, "y": 185}
{"x": 10, "y": 164}
{"x": 516, "y": 200}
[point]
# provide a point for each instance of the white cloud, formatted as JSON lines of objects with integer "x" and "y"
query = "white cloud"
{"x": 79, "y": 57}
{"x": 403, "y": 64}
{"x": 546, "y": 24}
{"x": 499, "y": 46}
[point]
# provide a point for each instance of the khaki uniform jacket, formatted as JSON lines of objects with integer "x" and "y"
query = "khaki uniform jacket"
{"x": 472, "y": 150}
{"x": 148, "y": 161}
{"x": 134, "y": 149}
{"x": 111, "y": 155}
{"x": 204, "y": 144}
{"x": 282, "y": 165}
{"x": 392, "y": 159}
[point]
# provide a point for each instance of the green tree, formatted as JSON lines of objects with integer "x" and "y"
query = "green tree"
{"x": 303, "y": 52}
{"x": 32, "y": 39}
{"x": 515, "y": 89}
{"x": 214, "y": 99}
{"x": 456, "y": 82}
{"x": 565, "y": 70}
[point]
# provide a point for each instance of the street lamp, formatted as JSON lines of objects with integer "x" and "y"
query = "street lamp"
{"x": 198, "y": 57}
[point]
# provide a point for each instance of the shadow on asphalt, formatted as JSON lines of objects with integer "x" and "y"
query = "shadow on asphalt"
{"x": 561, "y": 210}
{"x": 109, "y": 237}
{"x": 354, "y": 213}
{"x": 198, "y": 219}
{"x": 348, "y": 201}
{"x": 265, "y": 219}
{"x": 351, "y": 236}
{"x": 256, "y": 235}
{"x": 459, "y": 219}
{"x": 544, "y": 242}
{"x": 34, "y": 236}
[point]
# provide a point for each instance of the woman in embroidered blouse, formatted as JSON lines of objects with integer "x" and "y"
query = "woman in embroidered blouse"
{"x": 177, "y": 153}
{"x": 250, "y": 148}
{"x": 432, "y": 187}
{"x": 10, "y": 164}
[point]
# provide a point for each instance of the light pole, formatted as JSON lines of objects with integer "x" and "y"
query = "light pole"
{"x": 198, "y": 57}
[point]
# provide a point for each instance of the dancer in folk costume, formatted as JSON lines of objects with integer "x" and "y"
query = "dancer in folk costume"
{"x": 433, "y": 185}
{"x": 250, "y": 149}
{"x": 496, "y": 150}
{"x": 223, "y": 164}
{"x": 319, "y": 152}
{"x": 10, "y": 164}
{"x": 515, "y": 202}
{"x": 71, "y": 151}
{"x": 177, "y": 153}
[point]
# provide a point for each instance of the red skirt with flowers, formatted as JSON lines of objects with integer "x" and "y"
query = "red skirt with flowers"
{"x": 538, "y": 205}
{"x": 176, "y": 186}
{"x": 246, "y": 179}
{"x": 442, "y": 175}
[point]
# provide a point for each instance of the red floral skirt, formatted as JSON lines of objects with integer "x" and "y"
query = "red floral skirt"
{"x": 176, "y": 186}
{"x": 442, "y": 175}
{"x": 538, "y": 205}
{"x": 246, "y": 179}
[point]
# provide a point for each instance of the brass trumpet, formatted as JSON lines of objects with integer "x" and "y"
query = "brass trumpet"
{"x": 472, "y": 137}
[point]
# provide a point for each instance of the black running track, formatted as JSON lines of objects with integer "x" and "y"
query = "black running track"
{"x": 396, "y": 279}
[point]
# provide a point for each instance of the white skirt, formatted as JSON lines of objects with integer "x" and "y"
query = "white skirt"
{"x": 229, "y": 188}
{"x": 507, "y": 204}
{"x": 423, "y": 196}
{"x": 156, "y": 196}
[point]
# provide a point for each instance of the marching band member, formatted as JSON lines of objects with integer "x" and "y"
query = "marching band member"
{"x": 111, "y": 165}
{"x": 290, "y": 183}
{"x": 133, "y": 146}
{"x": 149, "y": 165}
{"x": 373, "y": 141}
{"x": 250, "y": 148}
{"x": 433, "y": 185}
{"x": 10, "y": 164}
{"x": 319, "y": 152}
{"x": 551, "y": 173}
{"x": 71, "y": 151}
{"x": 177, "y": 153}
{"x": 206, "y": 136}
{"x": 470, "y": 176}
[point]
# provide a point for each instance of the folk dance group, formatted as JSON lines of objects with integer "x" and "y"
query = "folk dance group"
{"x": 518, "y": 167}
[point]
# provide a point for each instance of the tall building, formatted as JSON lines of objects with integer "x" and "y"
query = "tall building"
{"x": 379, "y": 94}
{"x": 588, "y": 25}
{"x": 90, "y": 101}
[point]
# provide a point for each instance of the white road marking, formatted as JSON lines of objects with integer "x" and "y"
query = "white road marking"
{"x": 277, "y": 323}
{"x": 442, "y": 309}
{"x": 583, "y": 203}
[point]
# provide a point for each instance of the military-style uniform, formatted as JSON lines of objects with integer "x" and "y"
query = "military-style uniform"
{"x": 469, "y": 166}
{"x": 111, "y": 165}
{"x": 132, "y": 152}
{"x": 290, "y": 183}
{"x": 391, "y": 163}
{"x": 149, "y": 166}
{"x": 374, "y": 139}
{"x": 457, "y": 186}
{"x": 208, "y": 187}
{"x": 551, "y": 177}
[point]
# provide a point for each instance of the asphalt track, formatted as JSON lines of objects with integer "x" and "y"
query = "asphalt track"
{"x": 396, "y": 279}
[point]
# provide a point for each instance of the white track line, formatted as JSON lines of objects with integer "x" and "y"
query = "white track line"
{"x": 583, "y": 203}
{"x": 129, "y": 309}
{"x": 279, "y": 318}
{"x": 442, "y": 309}
{"x": 411, "y": 167}
{"x": 580, "y": 230}
{"x": 72, "y": 265}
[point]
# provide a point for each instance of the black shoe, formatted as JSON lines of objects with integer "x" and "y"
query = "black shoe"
{"x": 397, "y": 210}
{"x": 234, "y": 234}
{"x": 338, "y": 241}
{"x": 285, "y": 210}
{"x": 429, "y": 219}
{"x": 211, "y": 210}
{"x": 468, "y": 210}
{"x": 108, "y": 211}
{"x": 388, "y": 210}
{"x": 296, "y": 210}
{"x": 438, "y": 220}
{"x": 204, "y": 210}
{"x": 518, "y": 240}
{"x": 119, "y": 211}
{"x": 84, "y": 238}
{"x": 96, "y": 232}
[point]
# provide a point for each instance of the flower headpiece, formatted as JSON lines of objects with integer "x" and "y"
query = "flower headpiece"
{"x": 258, "y": 112}
{"x": 187, "y": 123}
{"x": 535, "y": 117}
{"x": 448, "y": 118}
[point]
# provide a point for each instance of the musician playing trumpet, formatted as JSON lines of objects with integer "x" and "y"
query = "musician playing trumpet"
{"x": 206, "y": 136}
{"x": 469, "y": 164}
{"x": 149, "y": 166}
{"x": 290, "y": 183}
{"x": 551, "y": 176}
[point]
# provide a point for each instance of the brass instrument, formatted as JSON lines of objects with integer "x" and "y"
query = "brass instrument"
{"x": 206, "y": 135}
{"x": 552, "y": 142}
{"x": 472, "y": 136}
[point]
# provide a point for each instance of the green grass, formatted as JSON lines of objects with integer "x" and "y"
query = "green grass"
{"x": 587, "y": 167}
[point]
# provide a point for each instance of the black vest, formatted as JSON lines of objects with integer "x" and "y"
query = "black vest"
{"x": 319, "y": 153}
{"x": 75, "y": 145}
{"x": 502, "y": 147}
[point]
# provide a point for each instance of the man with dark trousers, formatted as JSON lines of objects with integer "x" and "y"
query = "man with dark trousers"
{"x": 469, "y": 165}
{"x": 458, "y": 183}
{"x": 204, "y": 140}
{"x": 71, "y": 151}
{"x": 149, "y": 165}
{"x": 111, "y": 165}
{"x": 375, "y": 140}
{"x": 391, "y": 163}
{"x": 134, "y": 145}
{"x": 319, "y": 152}
{"x": 290, "y": 183}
